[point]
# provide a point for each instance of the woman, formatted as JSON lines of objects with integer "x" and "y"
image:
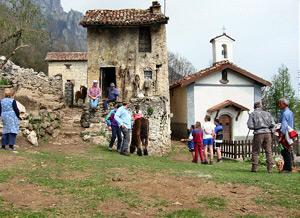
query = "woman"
{"x": 11, "y": 119}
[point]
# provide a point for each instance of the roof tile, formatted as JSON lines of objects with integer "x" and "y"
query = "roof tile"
{"x": 66, "y": 56}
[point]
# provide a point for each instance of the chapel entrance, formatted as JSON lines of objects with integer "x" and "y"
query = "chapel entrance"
{"x": 225, "y": 122}
{"x": 107, "y": 76}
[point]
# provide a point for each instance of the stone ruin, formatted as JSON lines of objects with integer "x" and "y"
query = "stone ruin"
{"x": 155, "y": 109}
{"x": 39, "y": 99}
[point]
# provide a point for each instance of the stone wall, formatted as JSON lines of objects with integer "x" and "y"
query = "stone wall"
{"x": 159, "y": 140}
{"x": 33, "y": 89}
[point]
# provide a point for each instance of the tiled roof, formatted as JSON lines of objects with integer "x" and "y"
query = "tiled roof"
{"x": 124, "y": 17}
{"x": 227, "y": 103}
{"x": 218, "y": 67}
{"x": 224, "y": 34}
{"x": 66, "y": 56}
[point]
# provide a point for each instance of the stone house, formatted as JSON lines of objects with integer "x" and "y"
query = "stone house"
{"x": 128, "y": 47}
{"x": 72, "y": 66}
{"x": 224, "y": 91}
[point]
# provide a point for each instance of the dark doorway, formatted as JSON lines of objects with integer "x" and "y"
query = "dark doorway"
{"x": 107, "y": 76}
{"x": 225, "y": 122}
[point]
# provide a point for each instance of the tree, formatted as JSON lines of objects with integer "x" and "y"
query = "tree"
{"x": 179, "y": 67}
{"x": 281, "y": 88}
{"x": 21, "y": 21}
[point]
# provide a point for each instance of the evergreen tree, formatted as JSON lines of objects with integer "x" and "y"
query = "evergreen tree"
{"x": 281, "y": 88}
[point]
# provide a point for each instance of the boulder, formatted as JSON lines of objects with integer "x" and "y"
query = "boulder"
{"x": 99, "y": 140}
{"x": 32, "y": 138}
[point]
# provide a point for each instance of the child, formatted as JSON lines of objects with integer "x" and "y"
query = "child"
{"x": 208, "y": 128}
{"x": 114, "y": 127}
{"x": 198, "y": 142}
{"x": 190, "y": 142}
{"x": 137, "y": 113}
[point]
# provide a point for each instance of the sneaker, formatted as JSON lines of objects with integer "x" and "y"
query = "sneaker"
{"x": 125, "y": 153}
{"x": 109, "y": 148}
{"x": 194, "y": 161}
{"x": 3, "y": 148}
{"x": 12, "y": 149}
{"x": 204, "y": 162}
{"x": 211, "y": 162}
{"x": 219, "y": 160}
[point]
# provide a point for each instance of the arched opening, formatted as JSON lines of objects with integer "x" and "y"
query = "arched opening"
{"x": 225, "y": 122}
{"x": 224, "y": 50}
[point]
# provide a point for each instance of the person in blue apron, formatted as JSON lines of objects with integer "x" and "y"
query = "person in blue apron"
{"x": 11, "y": 119}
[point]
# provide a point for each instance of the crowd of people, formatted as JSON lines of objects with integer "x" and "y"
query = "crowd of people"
{"x": 209, "y": 137}
{"x": 201, "y": 138}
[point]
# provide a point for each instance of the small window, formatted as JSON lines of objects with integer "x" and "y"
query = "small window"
{"x": 224, "y": 51}
{"x": 68, "y": 66}
{"x": 148, "y": 74}
{"x": 144, "y": 39}
{"x": 224, "y": 79}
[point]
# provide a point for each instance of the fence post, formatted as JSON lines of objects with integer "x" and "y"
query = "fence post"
{"x": 235, "y": 150}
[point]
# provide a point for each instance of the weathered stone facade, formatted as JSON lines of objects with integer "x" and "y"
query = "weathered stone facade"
{"x": 118, "y": 48}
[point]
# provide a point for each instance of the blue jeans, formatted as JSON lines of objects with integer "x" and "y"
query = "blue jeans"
{"x": 105, "y": 103}
{"x": 115, "y": 132}
{"x": 94, "y": 103}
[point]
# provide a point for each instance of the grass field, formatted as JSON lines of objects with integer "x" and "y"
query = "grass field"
{"x": 94, "y": 182}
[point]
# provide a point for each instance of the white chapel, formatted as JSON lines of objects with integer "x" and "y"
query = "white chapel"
{"x": 224, "y": 91}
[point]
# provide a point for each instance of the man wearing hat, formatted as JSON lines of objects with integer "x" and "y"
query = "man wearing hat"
{"x": 123, "y": 118}
{"x": 113, "y": 94}
{"x": 94, "y": 93}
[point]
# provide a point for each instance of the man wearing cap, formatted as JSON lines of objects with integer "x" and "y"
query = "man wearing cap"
{"x": 123, "y": 118}
{"x": 113, "y": 94}
{"x": 94, "y": 93}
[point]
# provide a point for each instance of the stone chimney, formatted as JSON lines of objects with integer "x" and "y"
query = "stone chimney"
{"x": 155, "y": 8}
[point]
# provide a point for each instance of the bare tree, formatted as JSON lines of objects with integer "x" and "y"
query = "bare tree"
{"x": 179, "y": 67}
{"x": 20, "y": 22}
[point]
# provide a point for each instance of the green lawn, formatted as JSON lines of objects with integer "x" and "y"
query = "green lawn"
{"x": 85, "y": 178}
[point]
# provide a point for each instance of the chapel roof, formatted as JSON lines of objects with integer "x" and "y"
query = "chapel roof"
{"x": 224, "y": 34}
{"x": 225, "y": 104}
{"x": 216, "y": 68}
{"x": 125, "y": 17}
{"x": 66, "y": 56}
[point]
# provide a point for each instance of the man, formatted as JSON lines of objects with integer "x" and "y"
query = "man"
{"x": 261, "y": 122}
{"x": 286, "y": 119}
{"x": 208, "y": 133}
{"x": 94, "y": 94}
{"x": 218, "y": 139}
{"x": 113, "y": 94}
{"x": 123, "y": 117}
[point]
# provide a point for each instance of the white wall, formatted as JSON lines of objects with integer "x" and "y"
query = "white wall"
{"x": 217, "y": 49}
{"x": 77, "y": 72}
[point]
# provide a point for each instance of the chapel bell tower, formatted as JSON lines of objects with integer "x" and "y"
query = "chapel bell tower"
{"x": 222, "y": 48}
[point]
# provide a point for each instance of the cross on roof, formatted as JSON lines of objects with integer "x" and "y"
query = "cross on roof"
{"x": 224, "y": 29}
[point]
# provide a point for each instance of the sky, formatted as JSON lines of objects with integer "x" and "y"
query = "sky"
{"x": 266, "y": 32}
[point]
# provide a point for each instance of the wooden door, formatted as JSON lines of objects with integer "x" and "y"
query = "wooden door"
{"x": 225, "y": 122}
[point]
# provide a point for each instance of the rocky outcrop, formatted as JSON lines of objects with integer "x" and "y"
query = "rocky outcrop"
{"x": 64, "y": 25}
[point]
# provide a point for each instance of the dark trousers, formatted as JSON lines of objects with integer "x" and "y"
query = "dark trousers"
{"x": 126, "y": 139}
{"x": 9, "y": 139}
{"x": 263, "y": 140}
{"x": 198, "y": 149}
{"x": 286, "y": 154}
{"x": 105, "y": 103}
{"x": 115, "y": 132}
